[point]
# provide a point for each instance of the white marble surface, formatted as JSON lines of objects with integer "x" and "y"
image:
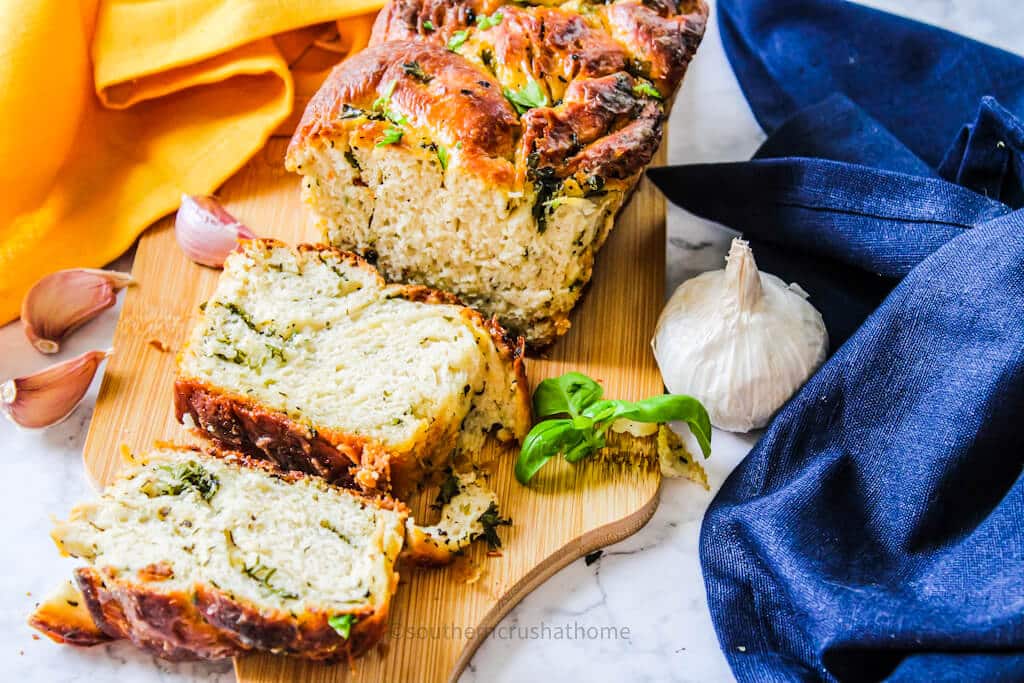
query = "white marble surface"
{"x": 649, "y": 584}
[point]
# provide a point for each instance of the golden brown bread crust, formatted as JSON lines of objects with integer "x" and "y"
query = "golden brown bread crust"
{"x": 206, "y": 623}
{"x": 587, "y": 64}
{"x": 212, "y": 624}
{"x": 64, "y": 618}
{"x": 238, "y": 422}
{"x": 458, "y": 103}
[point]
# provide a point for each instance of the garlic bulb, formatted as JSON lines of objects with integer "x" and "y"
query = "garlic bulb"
{"x": 739, "y": 340}
{"x": 206, "y": 232}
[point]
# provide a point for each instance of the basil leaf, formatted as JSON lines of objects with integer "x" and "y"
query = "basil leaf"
{"x": 527, "y": 97}
{"x": 646, "y": 89}
{"x": 570, "y": 393}
{"x": 342, "y": 624}
{"x": 670, "y": 407}
{"x": 607, "y": 409}
{"x": 591, "y": 443}
{"x": 456, "y": 41}
{"x": 545, "y": 441}
{"x": 485, "y": 22}
{"x": 391, "y": 136}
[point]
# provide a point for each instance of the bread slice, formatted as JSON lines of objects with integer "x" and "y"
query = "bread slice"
{"x": 307, "y": 357}
{"x": 485, "y": 147}
{"x": 208, "y": 555}
{"x": 469, "y": 512}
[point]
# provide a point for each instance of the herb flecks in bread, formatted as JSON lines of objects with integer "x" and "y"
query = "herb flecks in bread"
{"x": 524, "y": 129}
{"x": 209, "y": 555}
{"x": 308, "y": 358}
{"x": 469, "y": 512}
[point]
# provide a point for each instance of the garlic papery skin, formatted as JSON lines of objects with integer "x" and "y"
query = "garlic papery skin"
{"x": 206, "y": 232}
{"x": 63, "y": 301}
{"x": 740, "y": 341}
{"x": 50, "y": 395}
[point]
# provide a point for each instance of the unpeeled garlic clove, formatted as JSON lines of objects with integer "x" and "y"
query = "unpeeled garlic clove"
{"x": 50, "y": 395}
{"x": 63, "y": 301}
{"x": 206, "y": 232}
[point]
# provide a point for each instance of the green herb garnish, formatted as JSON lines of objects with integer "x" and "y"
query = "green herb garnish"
{"x": 449, "y": 489}
{"x": 647, "y": 89}
{"x": 261, "y": 573}
{"x": 485, "y": 22}
{"x": 442, "y": 156}
{"x": 352, "y": 161}
{"x": 342, "y": 624}
{"x": 182, "y": 477}
{"x": 487, "y": 57}
{"x": 588, "y": 416}
{"x": 330, "y": 527}
{"x": 416, "y": 71}
{"x": 527, "y": 97}
{"x": 382, "y": 102}
{"x": 457, "y": 40}
{"x": 490, "y": 521}
{"x": 428, "y": 25}
{"x": 391, "y": 136}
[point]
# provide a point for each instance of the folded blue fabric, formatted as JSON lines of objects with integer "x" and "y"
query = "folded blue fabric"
{"x": 876, "y": 532}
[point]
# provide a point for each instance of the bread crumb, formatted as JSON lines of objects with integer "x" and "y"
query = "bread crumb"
{"x": 465, "y": 571}
{"x": 676, "y": 461}
{"x": 159, "y": 345}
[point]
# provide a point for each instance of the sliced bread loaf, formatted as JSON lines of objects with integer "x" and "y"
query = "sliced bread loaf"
{"x": 484, "y": 147}
{"x": 307, "y": 357}
{"x": 209, "y": 555}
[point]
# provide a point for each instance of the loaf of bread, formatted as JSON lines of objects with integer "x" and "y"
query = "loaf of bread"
{"x": 308, "y": 358}
{"x": 208, "y": 555}
{"x": 485, "y": 148}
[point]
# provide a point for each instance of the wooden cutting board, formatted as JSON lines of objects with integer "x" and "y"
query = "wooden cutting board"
{"x": 439, "y": 617}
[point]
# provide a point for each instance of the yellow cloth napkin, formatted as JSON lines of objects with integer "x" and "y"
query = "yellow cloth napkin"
{"x": 110, "y": 109}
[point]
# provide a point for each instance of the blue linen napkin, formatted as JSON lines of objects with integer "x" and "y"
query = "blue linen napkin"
{"x": 876, "y": 532}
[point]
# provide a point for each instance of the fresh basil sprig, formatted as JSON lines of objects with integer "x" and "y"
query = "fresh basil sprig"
{"x": 588, "y": 416}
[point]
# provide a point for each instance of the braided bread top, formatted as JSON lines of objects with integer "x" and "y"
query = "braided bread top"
{"x": 574, "y": 93}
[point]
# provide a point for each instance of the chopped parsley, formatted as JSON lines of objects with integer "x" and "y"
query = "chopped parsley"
{"x": 428, "y": 25}
{"x": 527, "y": 97}
{"x": 485, "y": 22}
{"x": 261, "y": 573}
{"x": 342, "y": 624}
{"x": 391, "y": 136}
{"x": 487, "y": 57}
{"x": 449, "y": 489}
{"x": 442, "y": 156}
{"x": 416, "y": 71}
{"x": 384, "y": 100}
{"x": 396, "y": 118}
{"x": 491, "y": 520}
{"x": 646, "y": 89}
{"x": 547, "y": 184}
{"x": 352, "y": 161}
{"x": 457, "y": 40}
{"x": 182, "y": 477}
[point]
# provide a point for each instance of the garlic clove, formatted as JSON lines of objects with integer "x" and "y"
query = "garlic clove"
{"x": 50, "y": 395}
{"x": 63, "y": 301}
{"x": 206, "y": 232}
